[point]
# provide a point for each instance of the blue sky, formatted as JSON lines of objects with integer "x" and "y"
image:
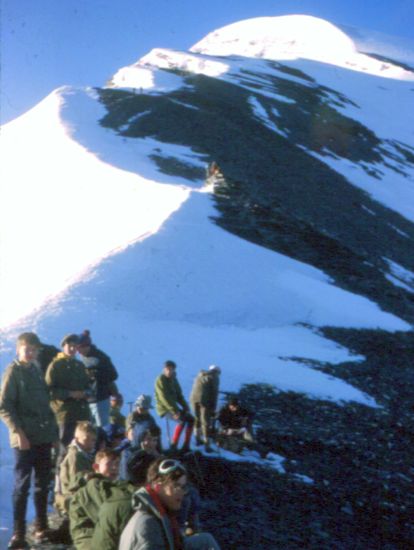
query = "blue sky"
{"x": 50, "y": 43}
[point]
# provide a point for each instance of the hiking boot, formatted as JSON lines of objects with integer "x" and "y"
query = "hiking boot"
{"x": 18, "y": 542}
{"x": 43, "y": 536}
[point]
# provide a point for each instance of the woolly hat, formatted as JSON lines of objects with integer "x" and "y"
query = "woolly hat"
{"x": 85, "y": 338}
{"x": 144, "y": 401}
{"x": 70, "y": 339}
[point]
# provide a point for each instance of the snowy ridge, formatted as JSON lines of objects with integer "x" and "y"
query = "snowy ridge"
{"x": 96, "y": 234}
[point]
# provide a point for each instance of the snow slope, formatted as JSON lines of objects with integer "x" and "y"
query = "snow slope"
{"x": 95, "y": 236}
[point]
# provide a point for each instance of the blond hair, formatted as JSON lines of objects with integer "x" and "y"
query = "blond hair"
{"x": 85, "y": 427}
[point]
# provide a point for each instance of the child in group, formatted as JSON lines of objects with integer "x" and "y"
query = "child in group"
{"x": 149, "y": 443}
{"x": 25, "y": 409}
{"x": 141, "y": 419}
{"x": 115, "y": 513}
{"x": 115, "y": 415}
{"x": 79, "y": 458}
{"x": 68, "y": 384}
{"x": 87, "y": 501}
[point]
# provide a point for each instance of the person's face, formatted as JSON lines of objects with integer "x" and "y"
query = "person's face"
{"x": 27, "y": 353}
{"x": 86, "y": 441}
{"x": 70, "y": 349}
{"x": 233, "y": 407}
{"x": 169, "y": 372}
{"x": 117, "y": 402}
{"x": 84, "y": 350}
{"x": 149, "y": 443}
{"x": 172, "y": 493}
{"x": 108, "y": 467}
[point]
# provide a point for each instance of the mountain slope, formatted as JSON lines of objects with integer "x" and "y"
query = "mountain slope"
{"x": 289, "y": 268}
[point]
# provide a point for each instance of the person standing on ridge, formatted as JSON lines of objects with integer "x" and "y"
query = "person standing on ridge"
{"x": 172, "y": 405}
{"x": 203, "y": 399}
{"x": 102, "y": 374}
{"x": 68, "y": 386}
{"x": 25, "y": 409}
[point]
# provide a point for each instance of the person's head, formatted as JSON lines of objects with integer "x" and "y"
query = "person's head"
{"x": 169, "y": 369}
{"x": 106, "y": 463}
{"x": 69, "y": 344}
{"x": 168, "y": 478}
{"x": 84, "y": 343}
{"x": 115, "y": 434}
{"x": 27, "y": 347}
{"x": 150, "y": 440}
{"x": 85, "y": 436}
{"x": 116, "y": 401}
{"x": 137, "y": 467}
{"x": 214, "y": 369}
{"x": 143, "y": 403}
{"x": 234, "y": 404}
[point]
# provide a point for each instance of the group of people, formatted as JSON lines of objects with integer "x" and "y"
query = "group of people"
{"x": 114, "y": 486}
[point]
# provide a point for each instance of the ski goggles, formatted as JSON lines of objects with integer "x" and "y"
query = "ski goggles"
{"x": 170, "y": 465}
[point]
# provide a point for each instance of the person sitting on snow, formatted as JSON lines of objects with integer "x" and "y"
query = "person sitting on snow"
{"x": 87, "y": 501}
{"x": 154, "y": 523}
{"x": 78, "y": 459}
{"x": 141, "y": 420}
{"x": 172, "y": 405}
{"x": 236, "y": 422}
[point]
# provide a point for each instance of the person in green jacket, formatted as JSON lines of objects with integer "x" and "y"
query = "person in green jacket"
{"x": 115, "y": 513}
{"x": 68, "y": 384}
{"x": 170, "y": 403}
{"x": 25, "y": 409}
{"x": 86, "y": 502}
{"x": 79, "y": 458}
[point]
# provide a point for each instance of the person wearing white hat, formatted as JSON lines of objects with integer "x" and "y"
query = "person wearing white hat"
{"x": 203, "y": 400}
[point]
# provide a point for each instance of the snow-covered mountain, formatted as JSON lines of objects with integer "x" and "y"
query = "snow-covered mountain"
{"x": 108, "y": 221}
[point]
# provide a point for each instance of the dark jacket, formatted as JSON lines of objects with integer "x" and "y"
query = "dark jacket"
{"x": 45, "y": 356}
{"x": 25, "y": 405}
{"x": 101, "y": 372}
{"x": 63, "y": 375}
{"x": 113, "y": 516}
{"x": 235, "y": 420}
{"x": 205, "y": 389}
{"x": 169, "y": 396}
